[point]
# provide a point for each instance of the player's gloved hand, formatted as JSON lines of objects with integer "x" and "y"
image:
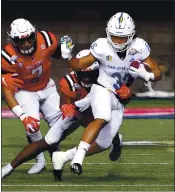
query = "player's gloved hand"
{"x": 31, "y": 124}
{"x": 124, "y": 92}
{"x": 69, "y": 110}
{"x": 66, "y": 47}
{"x": 141, "y": 73}
{"x": 11, "y": 82}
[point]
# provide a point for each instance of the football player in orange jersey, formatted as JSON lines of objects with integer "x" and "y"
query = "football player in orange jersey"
{"x": 73, "y": 87}
{"x": 28, "y": 56}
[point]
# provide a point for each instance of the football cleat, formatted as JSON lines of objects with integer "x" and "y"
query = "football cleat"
{"x": 116, "y": 148}
{"x": 58, "y": 160}
{"x": 37, "y": 168}
{"x": 57, "y": 174}
{"x": 6, "y": 170}
{"x": 76, "y": 168}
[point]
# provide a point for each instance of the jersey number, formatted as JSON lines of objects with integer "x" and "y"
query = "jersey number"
{"x": 120, "y": 80}
{"x": 39, "y": 71}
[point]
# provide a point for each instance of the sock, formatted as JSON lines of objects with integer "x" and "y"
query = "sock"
{"x": 36, "y": 137}
{"x": 9, "y": 167}
{"x": 81, "y": 152}
{"x": 71, "y": 153}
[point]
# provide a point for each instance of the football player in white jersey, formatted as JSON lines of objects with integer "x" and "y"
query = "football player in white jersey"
{"x": 115, "y": 54}
{"x": 63, "y": 127}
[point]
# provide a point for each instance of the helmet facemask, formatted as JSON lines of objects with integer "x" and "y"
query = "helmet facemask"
{"x": 119, "y": 47}
{"x": 26, "y": 45}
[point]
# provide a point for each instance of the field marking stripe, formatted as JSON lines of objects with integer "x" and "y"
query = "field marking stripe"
{"x": 119, "y": 185}
{"x": 103, "y": 163}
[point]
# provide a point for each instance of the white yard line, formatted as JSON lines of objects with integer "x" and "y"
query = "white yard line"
{"x": 119, "y": 185}
{"x": 149, "y": 143}
{"x": 103, "y": 163}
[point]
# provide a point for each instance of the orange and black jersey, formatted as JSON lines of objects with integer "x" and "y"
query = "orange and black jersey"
{"x": 71, "y": 88}
{"x": 35, "y": 69}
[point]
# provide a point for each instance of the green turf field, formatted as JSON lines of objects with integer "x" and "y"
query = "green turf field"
{"x": 139, "y": 103}
{"x": 140, "y": 168}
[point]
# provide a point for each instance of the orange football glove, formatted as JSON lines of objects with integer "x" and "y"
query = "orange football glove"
{"x": 11, "y": 82}
{"x": 124, "y": 92}
{"x": 69, "y": 110}
{"x": 31, "y": 124}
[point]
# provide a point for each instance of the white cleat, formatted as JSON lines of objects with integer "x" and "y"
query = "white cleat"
{"x": 37, "y": 168}
{"x": 6, "y": 170}
{"x": 58, "y": 159}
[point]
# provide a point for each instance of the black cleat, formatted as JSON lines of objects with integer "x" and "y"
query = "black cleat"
{"x": 57, "y": 174}
{"x": 76, "y": 168}
{"x": 116, "y": 148}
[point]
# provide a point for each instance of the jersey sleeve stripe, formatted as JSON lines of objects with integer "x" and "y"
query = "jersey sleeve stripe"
{"x": 72, "y": 79}
{"x": 7, "y": 57}
{"x": 50, "y": 38}
{"x": 47, "y": 39}
{"x": 70, "y": 82}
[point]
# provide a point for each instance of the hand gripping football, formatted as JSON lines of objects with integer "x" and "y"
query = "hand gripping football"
{"x": 136, "y": 64}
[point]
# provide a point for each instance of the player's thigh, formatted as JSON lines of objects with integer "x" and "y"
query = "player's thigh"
{"x": 50, "y": 106}
{"x": 55, "y": 133}
{"x": 101, "y": 102}
{"x": 29, "y": 102}
{"x": 87, "y": 117}
{"x": 107, "y": 134}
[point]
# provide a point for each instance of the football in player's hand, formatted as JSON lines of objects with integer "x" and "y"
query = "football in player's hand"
{"x": 136, "y": 64}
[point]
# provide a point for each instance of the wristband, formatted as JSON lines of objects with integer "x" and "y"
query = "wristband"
{"x": 17, "y": 110}
{"x": 22, "y": 116}
{"x": 69, "y": 58}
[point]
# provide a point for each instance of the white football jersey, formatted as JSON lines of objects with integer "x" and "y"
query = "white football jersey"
{"x": 113, "y": 70}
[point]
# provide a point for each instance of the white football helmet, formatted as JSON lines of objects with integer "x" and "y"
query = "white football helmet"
{"x": 89, "y": 75}
{"x": 21, "y": 30}
{"x": 120, "y": 25}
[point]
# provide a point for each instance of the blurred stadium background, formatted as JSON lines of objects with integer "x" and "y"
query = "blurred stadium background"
{"x": 86, "y": 21}
{"x": 144, "y": 166}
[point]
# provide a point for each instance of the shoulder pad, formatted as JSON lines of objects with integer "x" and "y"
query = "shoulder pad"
{"x": 142, "y": 47}
{"x": 98, "y": 47}
{"x": 48, "y": 39}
